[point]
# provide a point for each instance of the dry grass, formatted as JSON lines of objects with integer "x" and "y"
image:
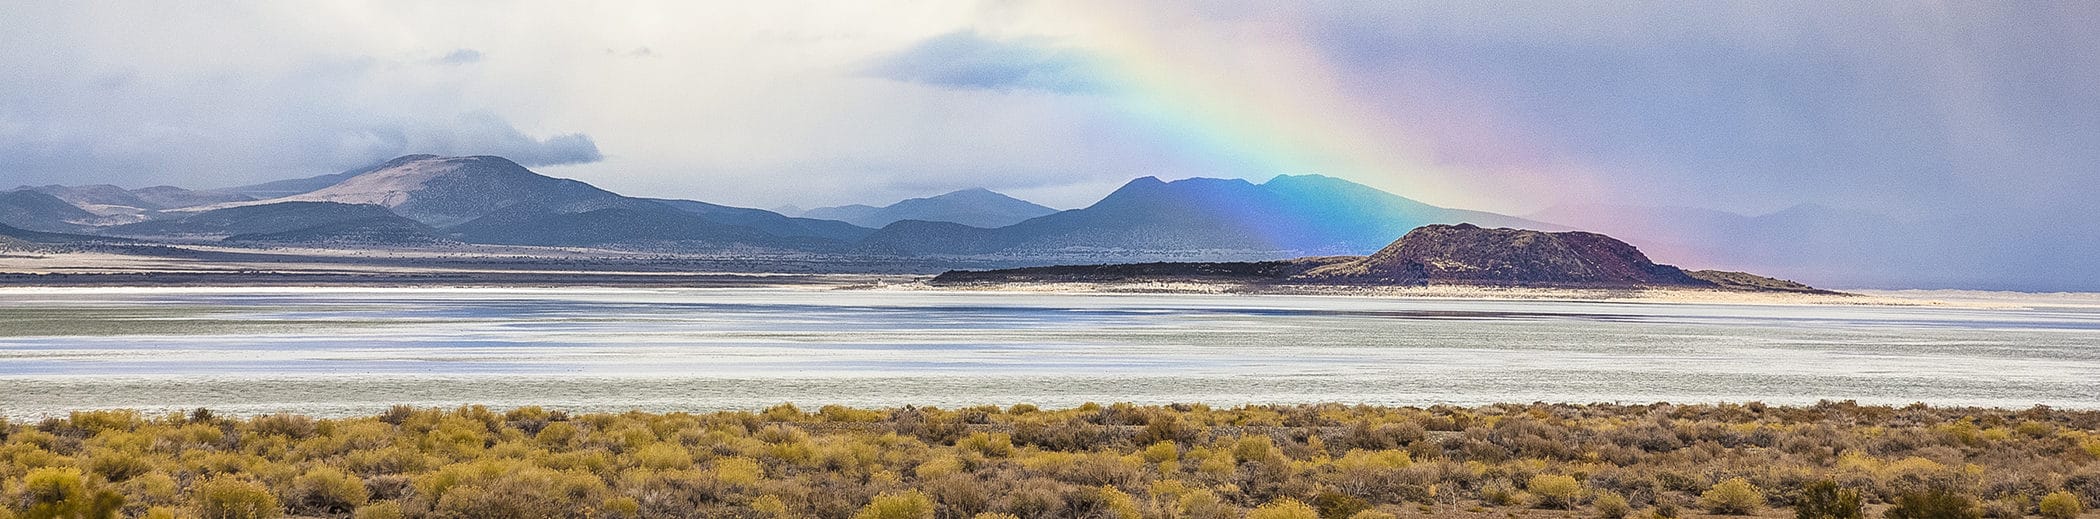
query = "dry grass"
{"x": 1124, "y": 461}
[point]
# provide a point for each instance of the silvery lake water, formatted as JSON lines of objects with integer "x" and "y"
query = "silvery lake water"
{"x": 353, "y": 351}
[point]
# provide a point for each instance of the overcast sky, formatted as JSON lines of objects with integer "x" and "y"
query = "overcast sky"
{"x": 1909, "y": 108}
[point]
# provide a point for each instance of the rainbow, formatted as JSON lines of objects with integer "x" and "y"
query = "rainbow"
{"x": 1257, "y": 127}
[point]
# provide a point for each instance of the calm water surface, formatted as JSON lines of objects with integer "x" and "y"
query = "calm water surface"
{"x": 344, "y": 351}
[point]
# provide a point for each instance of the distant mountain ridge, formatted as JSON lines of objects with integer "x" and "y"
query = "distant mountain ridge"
{"x": 492, "y": 200}
{"x": 105, "y": 199}
{"x": 284, "y": 221}
{"x": 424, "y": 200}
{"x": 1288, "y": 215}
{"x": 33, "y": 210}
{"x": 976, "y": 207}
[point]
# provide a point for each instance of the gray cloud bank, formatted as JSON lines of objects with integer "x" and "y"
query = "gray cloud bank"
{"x": 968, "y": 60}
{"x": 90, "y": 103}
{"x": 1975, "y": 125}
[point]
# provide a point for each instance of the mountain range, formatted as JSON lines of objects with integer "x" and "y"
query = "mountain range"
{"x": 1198, "y": 217}
{"x": 433, "y": 201}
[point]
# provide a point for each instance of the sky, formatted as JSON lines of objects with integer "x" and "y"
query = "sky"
{"x": 1981, "y": 115}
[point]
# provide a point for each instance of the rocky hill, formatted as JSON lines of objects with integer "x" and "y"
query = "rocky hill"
{"x": 1462, "y": 254}
{"x": 1469, "y": 254}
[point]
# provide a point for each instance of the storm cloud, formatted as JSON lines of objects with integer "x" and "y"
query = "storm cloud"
{"x": 1977, "y": 125}
{"x": 968, "y": 60}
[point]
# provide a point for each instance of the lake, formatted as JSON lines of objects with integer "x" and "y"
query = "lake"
{"x": 336, "y": 352}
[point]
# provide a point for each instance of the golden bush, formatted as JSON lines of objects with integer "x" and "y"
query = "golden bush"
{"x": 1732, "y": 497}
{"x": 2060, "y": 505}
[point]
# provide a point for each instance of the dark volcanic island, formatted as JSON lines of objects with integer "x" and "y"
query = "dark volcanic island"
{"x": 1433, "y": 255}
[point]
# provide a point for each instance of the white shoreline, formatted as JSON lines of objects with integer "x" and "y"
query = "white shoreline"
{"x": 1463, "y": 292}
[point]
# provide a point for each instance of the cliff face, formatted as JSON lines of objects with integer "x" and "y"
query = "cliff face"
{"x": 1469, "y": 254}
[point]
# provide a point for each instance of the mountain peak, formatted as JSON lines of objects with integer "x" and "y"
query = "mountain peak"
{"x": 975, "y": 207}
{"x": 1306, "y": 177}
{"x": 443, "y": 191}
{"x": 410, "y": 157}
{"x": 975, "y": 193}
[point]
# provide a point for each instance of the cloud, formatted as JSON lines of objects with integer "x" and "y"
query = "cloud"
{"x": 968, "y": 60}
{"x": 484, "y": 133}
{"x": 474, "y": 133}
{"x": 461, "y": 57}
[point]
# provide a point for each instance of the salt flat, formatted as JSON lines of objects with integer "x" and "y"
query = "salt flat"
{"x": 334, "y": 351}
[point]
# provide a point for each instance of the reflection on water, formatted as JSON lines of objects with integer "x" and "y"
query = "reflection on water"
{"x": 338, "y": 351}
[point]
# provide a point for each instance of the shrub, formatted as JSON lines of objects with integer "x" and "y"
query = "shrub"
{"x": 907, "y": 505}
{"x": 1611, "y": 505}
{"x": 1664, "y": 509}
{"x": 1117, "y": 504}
{"x": 379, "y": 510}
{"x": 621, "y": 506}
{"x": 1555, "y": 491}
{"x": 990, "y": 445}
{"x": 226, "y": 497}
{"x": 664, "y": 456}
{"x": 1162, "y": 452}
{"x": 557, "y": 435}
{"x": 1253, "y": 448}
{"x": 1825, "y": 500}
{"x": 283, "y": 424}
{"x": 326, "y": 490}
{"x": 1284, "y": 509}
{"x": 2008, "y": 507}
{"x": 63, "y": 492}
{"x": 1501, "y": 493}
{"x": 738, "y": 471}
{"x": 508, "y": 488}
{"x": 1336, "y": 505}
{"x": 118, "y": 466}
{"x": 1365, "y": 461}
{"x": 772, "y": 506}
{"x": 2061, "y": 505}
{"x": 1202, "y": 504}
{"x": 1733, "y": 497}
{"x": 1935, "y": 503}
{"x": 784, "y": 412}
